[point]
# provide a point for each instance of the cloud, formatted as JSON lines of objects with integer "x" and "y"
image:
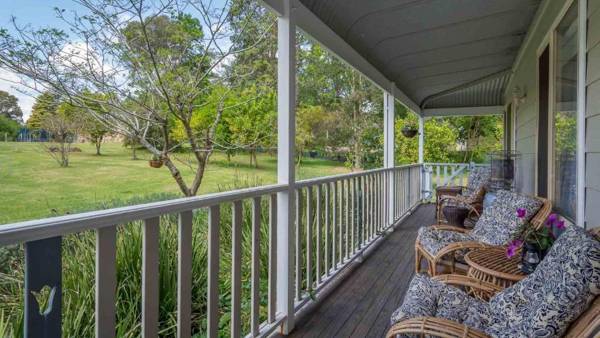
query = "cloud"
{"x": 9, "y": 83}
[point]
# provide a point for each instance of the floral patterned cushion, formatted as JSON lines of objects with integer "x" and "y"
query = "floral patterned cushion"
{"x": 478, "y": 179}
{"x": 555, "y": 294}
{"x": 430, "y": 298}
{"x": 434, "y": 240}
{"x": 498, "y": 223}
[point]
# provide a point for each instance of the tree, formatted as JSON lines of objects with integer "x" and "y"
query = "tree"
{"x": 154, "y": 65}
{"x": 45, "y": 103}
{"x": 440, "y": 140}
{"x": 479, "y": 134}
{"x": 252, "y": 121}
{"x": 93, "y": 127}
{"x": 63, "y": 125}
{"x": 9, "y": 128}
{"x": 326, "y": 81}
{"x": 9, "y": 107}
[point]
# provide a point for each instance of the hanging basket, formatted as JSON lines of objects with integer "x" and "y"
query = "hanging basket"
{"x": 410, "y": 132}
{"x": 156, "y": 163}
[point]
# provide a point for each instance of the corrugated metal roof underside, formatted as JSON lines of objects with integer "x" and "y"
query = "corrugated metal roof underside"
{"x": 487, "y": 92}
{"x": 427, "y": 47}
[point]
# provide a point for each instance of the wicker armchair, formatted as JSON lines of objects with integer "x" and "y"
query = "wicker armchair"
{"x": 470, "y": 196}
{"x": 560, "y": 298}
{"x": 464, "y": 242}
{"x": 586, "y": 326}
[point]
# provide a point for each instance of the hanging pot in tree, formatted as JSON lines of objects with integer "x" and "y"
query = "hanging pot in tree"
{"x": 409, "y": 131}
{"x": 156, "y": 162}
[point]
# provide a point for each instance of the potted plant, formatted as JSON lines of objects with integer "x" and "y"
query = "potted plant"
{"x": 409, "y": 130}
{"x": 156, "y": 161}
{"x": 534, "y": 243}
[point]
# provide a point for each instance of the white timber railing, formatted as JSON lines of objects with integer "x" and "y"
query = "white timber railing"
{"x": 338, "y": 220}
{"x": 442, "y": 174}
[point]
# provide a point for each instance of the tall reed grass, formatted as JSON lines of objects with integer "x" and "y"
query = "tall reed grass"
{"x": 79, "y": 275}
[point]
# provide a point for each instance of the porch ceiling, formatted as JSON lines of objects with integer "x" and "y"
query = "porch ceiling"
{"x": 439, "y": 53}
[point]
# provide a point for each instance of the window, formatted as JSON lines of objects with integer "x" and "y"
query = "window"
{"x": 564, "y": 115}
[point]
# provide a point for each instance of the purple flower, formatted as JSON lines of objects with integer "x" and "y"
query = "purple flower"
{"x": 513, "y": 247}
{"x": 560, "y": 224}
{"x": 551, "y": 220}
{"x": 521, "y": 212}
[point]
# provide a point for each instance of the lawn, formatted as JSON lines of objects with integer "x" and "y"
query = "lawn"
{"x": 32, "y": 185}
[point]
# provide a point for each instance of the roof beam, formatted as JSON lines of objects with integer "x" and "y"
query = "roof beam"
{"x": 464, "y": 111}
{"x": 309, "y": 23}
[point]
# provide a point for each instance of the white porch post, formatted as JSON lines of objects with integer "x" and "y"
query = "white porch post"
{"x": 286, "y": 131}
{"x": 388, "y": 144}
{"x": 424, "y": 175}
{"x": 421, "y": 138}
{"x": 581, "y": 109}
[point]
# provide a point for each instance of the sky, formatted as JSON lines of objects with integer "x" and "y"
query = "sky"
{"x": 38, "y": 13}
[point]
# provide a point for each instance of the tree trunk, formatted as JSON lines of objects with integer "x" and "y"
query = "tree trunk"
{"x": 98, "y": 143}
{"x": 133, "y": 153}
{"x": 254, "y": 158}
{"x": 64, "y": 154}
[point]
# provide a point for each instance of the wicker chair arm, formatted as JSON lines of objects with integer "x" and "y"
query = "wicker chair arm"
{"x": 449, "y": 228}
{"x": 470, "y": 282}
{"x": 467, "y": 245}
{"x": 432, "y": 326}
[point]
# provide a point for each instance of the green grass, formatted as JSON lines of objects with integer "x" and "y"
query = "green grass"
{"x": 34, "y": 186}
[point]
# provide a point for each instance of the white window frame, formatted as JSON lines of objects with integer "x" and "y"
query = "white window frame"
{"x": 549, "y": 40}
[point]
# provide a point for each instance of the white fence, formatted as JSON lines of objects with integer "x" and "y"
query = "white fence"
{"x": 441, "y": 174}
{"x": 337, "y": 219}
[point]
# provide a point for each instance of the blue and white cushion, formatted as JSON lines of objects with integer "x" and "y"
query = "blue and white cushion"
{"x": 542, "y": 305}
{"x": 479, "y": 178}
{"x": 497, "y": 225}
{"x": 429, "y": 298}
{"x": 563, "y": 285}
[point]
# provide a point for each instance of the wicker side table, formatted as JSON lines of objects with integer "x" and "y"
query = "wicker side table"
{"x": 445, "y": 190}
{"x": 491, "y": 265}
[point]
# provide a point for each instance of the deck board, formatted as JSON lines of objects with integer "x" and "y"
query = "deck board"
{"x": 362, "y": 304}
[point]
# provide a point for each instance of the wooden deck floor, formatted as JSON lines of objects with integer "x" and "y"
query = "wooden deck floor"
{"x": 362, "y": 304}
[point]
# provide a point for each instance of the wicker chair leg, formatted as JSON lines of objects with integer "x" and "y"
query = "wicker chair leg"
{"x": 452, "y": 266}
{"x": 433, "y": 266}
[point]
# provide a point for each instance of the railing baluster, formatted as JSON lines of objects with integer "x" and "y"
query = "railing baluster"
{"x": 377, "y": 205}
{"x": 445, "y": 174}
{"x": 43, "y": 268}
{"x": 309, "y": 250}
{"x": 352, "y": 215}
{"x": 341, "y": 225}
{"x": 213, "y": 271}
{"x": 327, "y": 227}
{"x": 362, "y": 210}
{"x": 255, "y": 273}
{"x": 334, "y": 199}
{"x": 272, "y": 310}
{"x": 298, "y": 244}
{"x": 319, "y": 233}
{"x": 106, "y": 281}
{"x": 347, "y": 223}
{"x": 368, "y": 212}
{"x": 150, "y": 264}
{"x": 184, "y": 275}
{"x": 236, "y": 269}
